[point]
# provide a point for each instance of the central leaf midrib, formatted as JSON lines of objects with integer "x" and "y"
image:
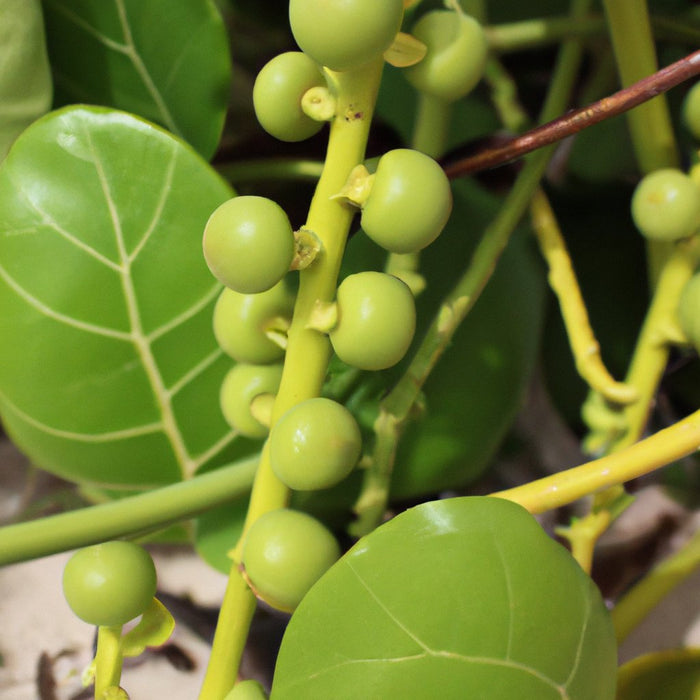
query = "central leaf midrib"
{"x": 139, "y": 338}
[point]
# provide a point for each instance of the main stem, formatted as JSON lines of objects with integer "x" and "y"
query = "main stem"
{"x": 308, "y": 351}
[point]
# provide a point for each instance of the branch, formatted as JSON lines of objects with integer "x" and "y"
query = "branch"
{"x": 579, "y": 119}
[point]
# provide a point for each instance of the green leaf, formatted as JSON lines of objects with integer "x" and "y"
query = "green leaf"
{"x": 462, "y": 598}
{"x": 153, "y": 630}
{"x": 671, "y": 675}
{"x": 25, "y": 76}
{"x": 165, "y": 61}
{"x": 110, "y": 371}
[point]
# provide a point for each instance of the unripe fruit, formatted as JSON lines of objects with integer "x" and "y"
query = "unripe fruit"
{"x": 109, "y": 584}
{"x": 666, "y": 205}
{"x": 456, "y": 57}
{"x": 277, "y": 94}
{"x": 409, "y": 203}
{"x": 249, "y": 244}
{"x": 376, "y": 320}
{"x": 284, "y": 553}
{"x": 314, "y": 445}
{"x": 345, "y": 34}
{"x": 241, "y": 322}
{"x": 240, "y": 387}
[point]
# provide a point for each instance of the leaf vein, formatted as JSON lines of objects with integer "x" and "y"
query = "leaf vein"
{"x": 160, "y": 206}
{"x": 107, "y": 436}
{"x": 143, "y": 72}
{"x": 57, "y": 316}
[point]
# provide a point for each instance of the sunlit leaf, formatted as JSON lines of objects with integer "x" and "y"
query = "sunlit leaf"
{"x": 667, "y": 675}
{"x": 462, "y": 598}
{"x": 109, "y": 370}
{"x": 165, "y": 61}
{"x": 25, "y": 77}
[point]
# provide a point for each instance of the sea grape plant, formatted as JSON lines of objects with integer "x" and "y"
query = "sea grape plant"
{"x": 252, "y": 294}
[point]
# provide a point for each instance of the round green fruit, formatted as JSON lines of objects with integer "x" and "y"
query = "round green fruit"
{"x": 284, "y": 553}
{"x": 409, "y": 203}
{"x": 345, "y": 34}
{"x": 456, "y": 57}
{"x": 277, "y": 94}
{"x": 691, "y": 110}
{"x": 376, "y": 320}
{"x": 666, "y": 205}
{"x": 109, "y": 584}
{"x": 240, "y": 387}
{"x": 242, "y": 323}
{"x": 247, "y": 690}
{"x": 249, "y": 244}
{"x": 314, "y": 445}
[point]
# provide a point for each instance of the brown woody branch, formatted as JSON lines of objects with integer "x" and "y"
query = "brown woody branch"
{"x": 579, "y": 119}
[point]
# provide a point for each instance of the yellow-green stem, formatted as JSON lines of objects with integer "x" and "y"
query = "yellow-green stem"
{"x": 634, "y": 606}
{"x": 308, "y": 351}
{"x": 662, "y": 448}
{"x": 651, "y": 356}
{"x": 635, "y": 54}
{"x": 108, "y": 660}
{"x": 562, "y": 279}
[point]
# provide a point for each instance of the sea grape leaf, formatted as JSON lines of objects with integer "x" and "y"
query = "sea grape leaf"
{"x": 460, "y": 598}
{"x": 25, "y": 76}
{"x": 109, "y": 369}
{"x": 671, "y": 675}
{"x": 166, "y": 61}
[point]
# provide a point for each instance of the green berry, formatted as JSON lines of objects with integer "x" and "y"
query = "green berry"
{"x": 109, "y": 584}
{"x": 376, "y": 320}
{"x": 345, "y": 34}
{"x": 456, "y": 56}
{"x": 409, "y": 203}
{"x": 277, "y": 94}
{"x": 249, "y": 244}
{"x": 284, "y": 553}
{"x": 691, "y": 110}
{"x": 242, "y": 323}
{"x": 666, "y": 205}
{"x": 314, "y": 445}
{"x": 241, "y": 386}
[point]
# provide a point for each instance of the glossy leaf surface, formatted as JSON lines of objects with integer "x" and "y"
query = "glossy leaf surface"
{"x": 25, "y": 76}
{"x": 168, "y": 62}
{"x": 462, "y": 598}
{"x": 112, "y": 373}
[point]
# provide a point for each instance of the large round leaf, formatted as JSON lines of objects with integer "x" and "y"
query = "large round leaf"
{"x": 109, "y": 370}
{"x": 462, "y": 598}
{"x": 166, "y": 61}
{"x": 25, "y": 76}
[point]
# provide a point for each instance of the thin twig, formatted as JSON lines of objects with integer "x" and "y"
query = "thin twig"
{"x": 579, "y": 119}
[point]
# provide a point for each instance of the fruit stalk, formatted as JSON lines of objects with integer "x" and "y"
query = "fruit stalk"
{"x": 308, "y": 351}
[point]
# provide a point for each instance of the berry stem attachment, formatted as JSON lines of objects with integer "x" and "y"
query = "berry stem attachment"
{"x": 108, "y": 661}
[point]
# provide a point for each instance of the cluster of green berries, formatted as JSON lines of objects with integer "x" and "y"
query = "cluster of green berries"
{"x": 250, "y": 245}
